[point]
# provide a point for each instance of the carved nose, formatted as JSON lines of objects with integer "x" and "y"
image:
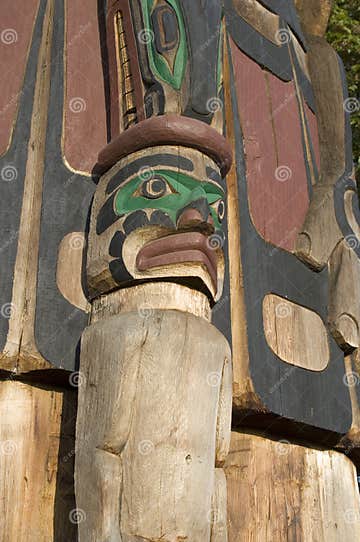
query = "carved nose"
{"x": 191, "y": 217}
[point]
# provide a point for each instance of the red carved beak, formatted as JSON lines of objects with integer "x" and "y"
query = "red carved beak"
{"x": 190, "y": 218}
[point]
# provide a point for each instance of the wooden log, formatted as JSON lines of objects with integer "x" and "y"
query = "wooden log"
{"x": 283, "y": 491}
{"x": 153, "y": 427}
{"x": 36, "y": 450}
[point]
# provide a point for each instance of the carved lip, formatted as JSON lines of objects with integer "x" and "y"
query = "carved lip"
{"x": 190, "y": 247}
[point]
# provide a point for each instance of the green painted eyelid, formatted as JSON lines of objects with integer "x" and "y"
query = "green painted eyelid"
{"x": 176, "y": 180}
{"x": 190, "y": 182}
{"x": 158, "y": 65}
{"x": 186, "y": 188}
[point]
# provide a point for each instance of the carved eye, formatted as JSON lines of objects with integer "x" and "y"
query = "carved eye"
{"x": 155, "y": 188}
{"x": 219, "y": 207}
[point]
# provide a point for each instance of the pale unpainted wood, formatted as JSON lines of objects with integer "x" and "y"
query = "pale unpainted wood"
{"x": 69, "y": 269}
{"x": 218, "y": 517}
{"x": 278, "y": 491}
{"x": 243, "y": 389}
{"x": 35, "y": 446}
{"x": 144, "y": 298}
{"x": 223, "y": 426}
{"x": 152, "y": 398}
{"x": 297, "y": 335}
{"x": 344, "y": 305}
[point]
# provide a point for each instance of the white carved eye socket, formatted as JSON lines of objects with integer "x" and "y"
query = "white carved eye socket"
{"x": 154, "y": 188}
{"x": 219, "y": 207}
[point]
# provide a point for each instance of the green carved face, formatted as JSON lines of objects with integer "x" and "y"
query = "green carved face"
{"x": 169, "y": 192}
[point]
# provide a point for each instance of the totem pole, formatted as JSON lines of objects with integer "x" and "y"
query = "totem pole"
{"x": 154, "y": 414}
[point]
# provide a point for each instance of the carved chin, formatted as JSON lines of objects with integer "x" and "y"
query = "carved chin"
{"x": 181, "y": 248}
{"x": 150, "y": 252}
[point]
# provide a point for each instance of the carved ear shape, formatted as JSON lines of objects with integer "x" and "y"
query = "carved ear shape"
{"x": 314, "y": 15}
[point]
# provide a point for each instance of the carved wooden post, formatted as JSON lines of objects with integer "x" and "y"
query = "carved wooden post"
{"x": 154, "y": 415}
{"x": 224, "y": 233}
{"x": 296, "y": 334}
{"x": 267, "y": 253}
{"x": 45, "y": 164}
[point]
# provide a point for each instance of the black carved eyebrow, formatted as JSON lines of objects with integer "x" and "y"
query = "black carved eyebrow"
{"x": 172, "y": 160}
{"x": 213, "y": 175}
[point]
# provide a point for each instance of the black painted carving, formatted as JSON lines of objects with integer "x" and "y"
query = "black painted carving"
{"x": 66, "y": 203}
{"x": 315, "y": 399}
{"x": 134, "y": 167}
{"x": 166, "y": 28}
{"x": 203, "y": 24}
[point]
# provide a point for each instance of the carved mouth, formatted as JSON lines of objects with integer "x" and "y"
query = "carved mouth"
{"x": 191, "y": 247}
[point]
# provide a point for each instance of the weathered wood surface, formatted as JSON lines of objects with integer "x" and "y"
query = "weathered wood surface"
{"x": 344, "y": 308}
{"x": 145, "y": 298}
{"x": 278, "y": 491}
{"x": 153, "y": 423}
{"x": 320, "y": 232}
{"x": 69, "y": 270}
{"x": 314, "y": 15}
{"x": 23, "y": 302}
{"x": 36, "y": 451}
{"x": 297, "y": 335}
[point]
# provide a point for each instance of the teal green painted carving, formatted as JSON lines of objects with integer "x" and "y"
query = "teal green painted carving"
{"x": 158, "y": 64}
{"x": 171, "y": 192}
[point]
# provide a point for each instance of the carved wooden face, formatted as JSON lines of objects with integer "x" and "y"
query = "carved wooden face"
{"x": 161, "y": 215}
